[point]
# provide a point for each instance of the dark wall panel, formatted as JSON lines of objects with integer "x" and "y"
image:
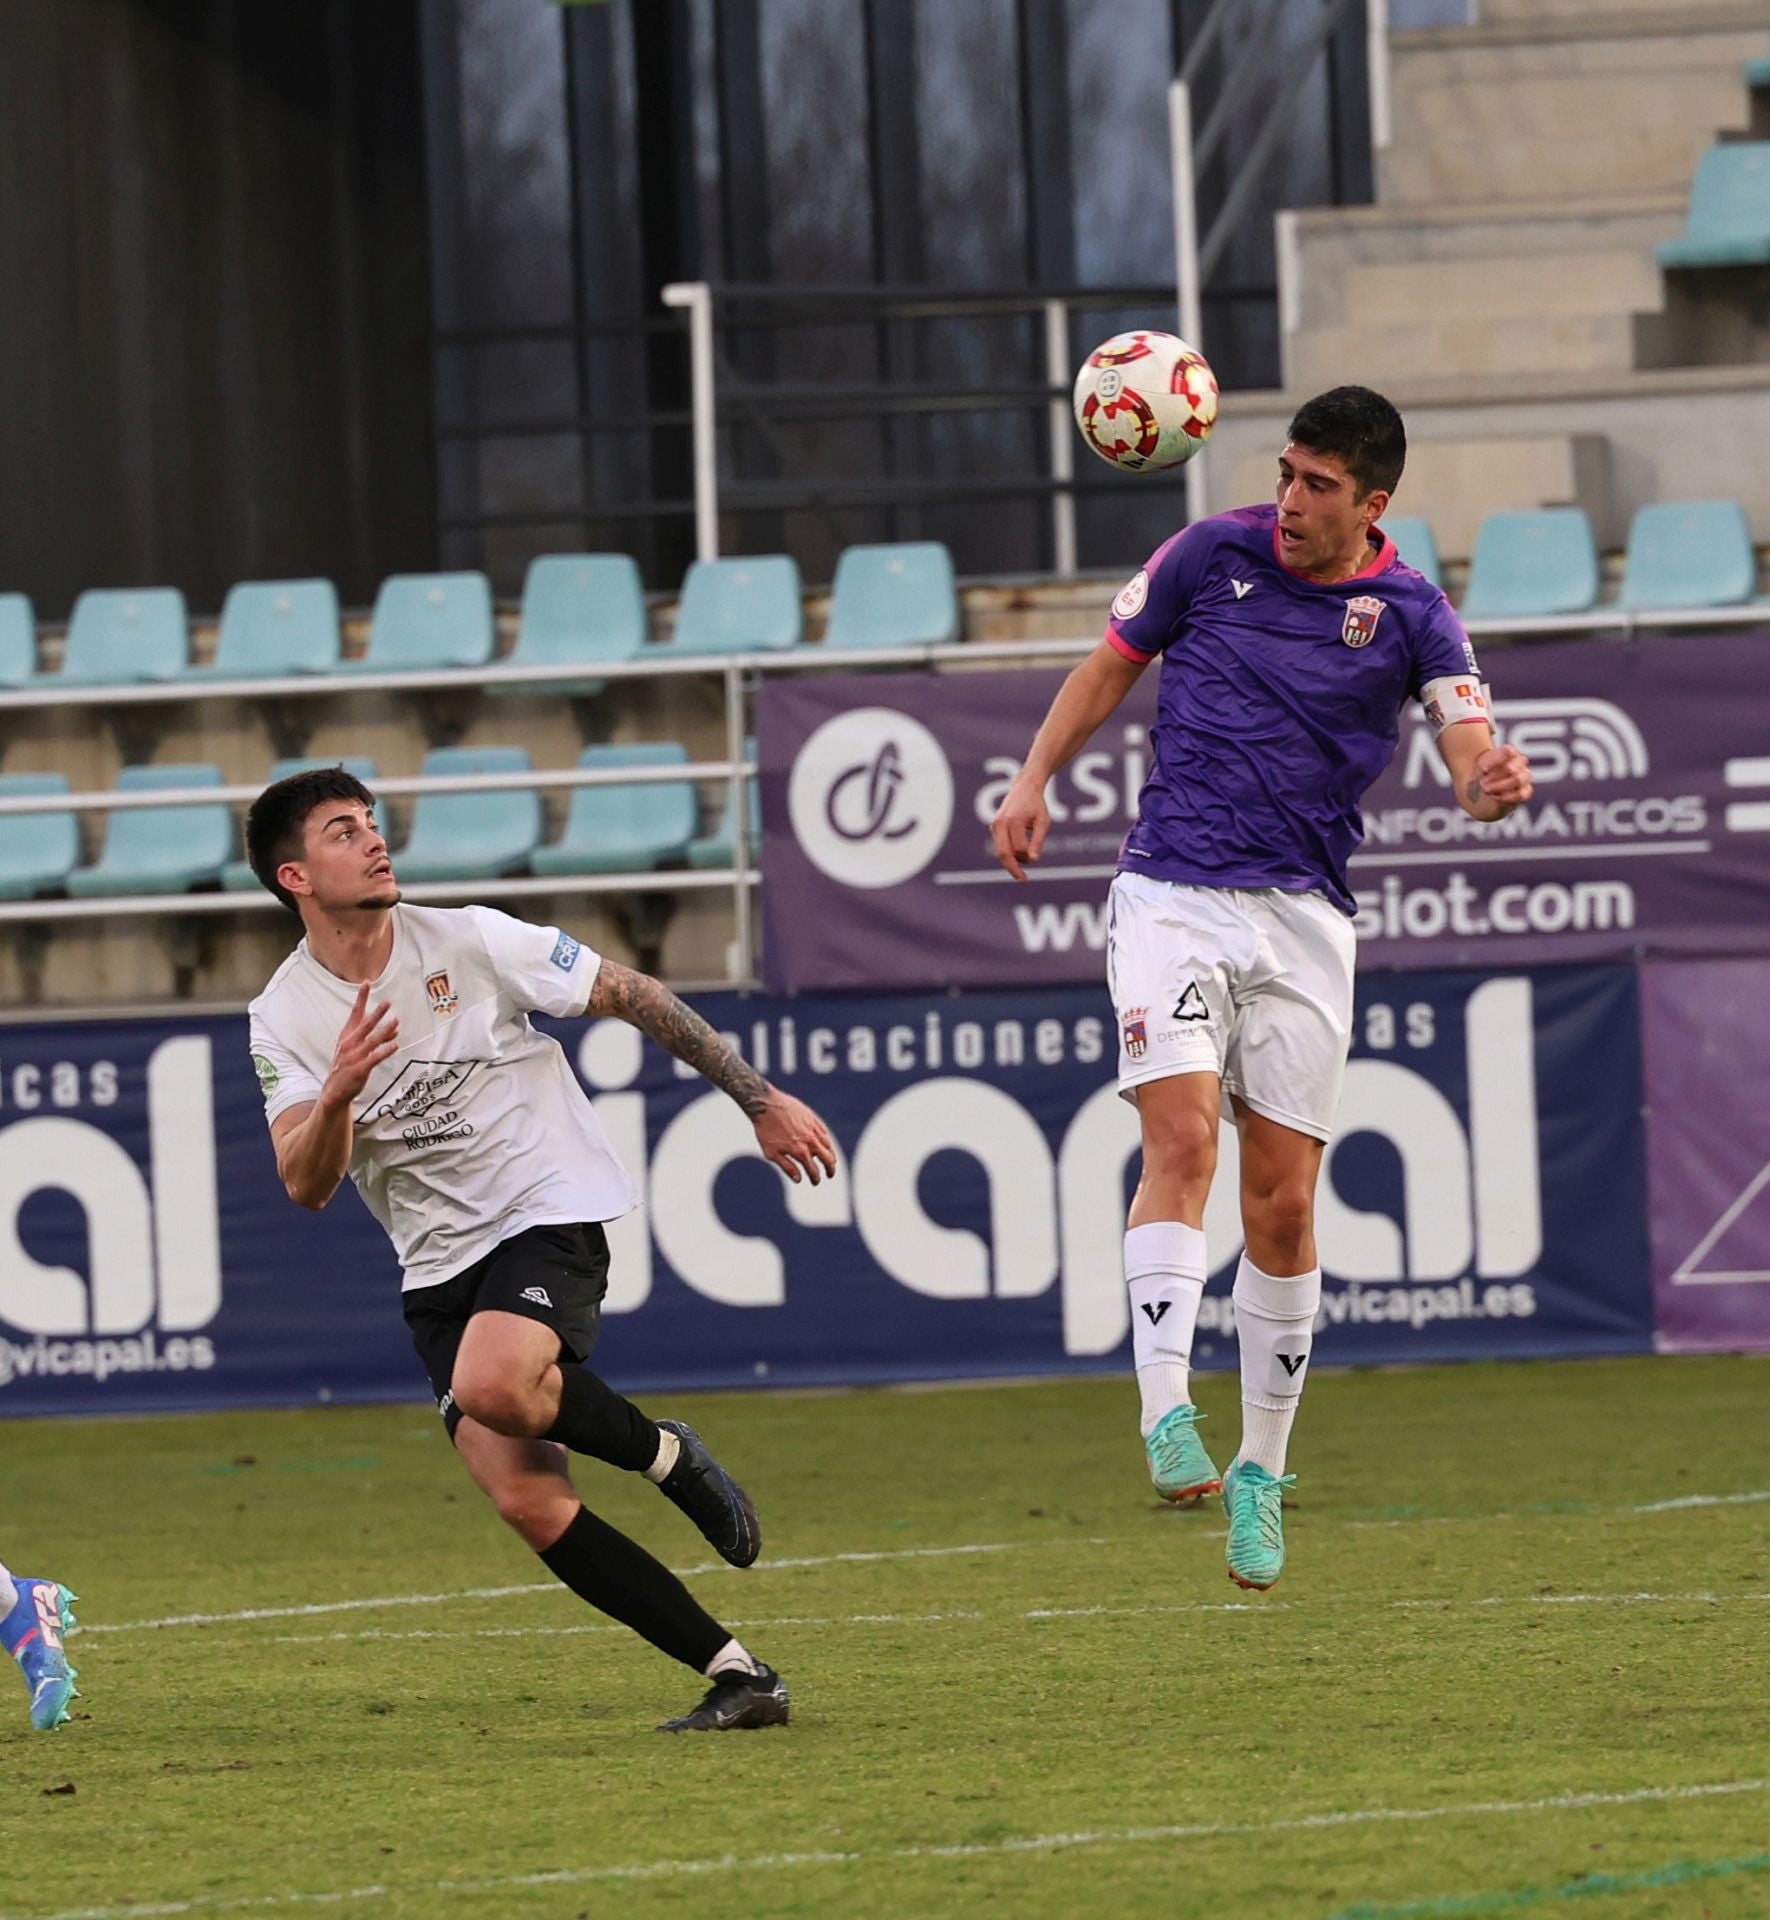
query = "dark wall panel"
{"x": 214, "y": 323}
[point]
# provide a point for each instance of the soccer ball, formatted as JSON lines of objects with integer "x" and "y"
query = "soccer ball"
{"x": 1146, "y": 401}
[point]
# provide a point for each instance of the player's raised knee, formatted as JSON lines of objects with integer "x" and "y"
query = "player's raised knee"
{"x": 1179, "y": 1140}
{"x": 1280, "y": 1222}
{"x": 506, "y": 1406}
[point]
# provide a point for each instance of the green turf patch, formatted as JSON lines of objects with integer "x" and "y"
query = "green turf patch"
{"x": 1517, "y": 1652}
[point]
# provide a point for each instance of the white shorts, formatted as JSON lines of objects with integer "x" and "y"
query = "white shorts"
{"x": 1252, "y": 984}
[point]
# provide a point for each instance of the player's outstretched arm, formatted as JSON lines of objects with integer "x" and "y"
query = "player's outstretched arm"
{"x": 313, "y": 1141}
{"x": 1489, "y": 781}
{"x": 787, "y": 1130}
{"x": 1090, "y": 693}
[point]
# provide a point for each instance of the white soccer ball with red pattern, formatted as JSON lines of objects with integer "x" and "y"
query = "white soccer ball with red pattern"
{"x": 1146, "y": 402}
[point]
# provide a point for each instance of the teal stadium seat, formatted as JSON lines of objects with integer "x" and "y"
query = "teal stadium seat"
{"x": 894, "y": 596}
{"x": 740, "y": 606}
{"x": 117, "y": 635}
{"x": 425, "y": 621}
{"x": 717, "y": 849}
{"x": 471, "y": 836}
{"x": 37, "y": 850}
{"x": 271, "y": 627}
{"x": 18, "y": 640}
{"x": 578, "y": 609}
{"x": 1728, "y": 224}
{"x": 1416, "y": 547}
{"x": 1689, "y": 553}
{"x": 160, "y": 849}
{"x": 625, "y": 829}
{"x": 1757, "y": 72}
{"x": 237, "y": 876}
{"x": 1532, "y": 564}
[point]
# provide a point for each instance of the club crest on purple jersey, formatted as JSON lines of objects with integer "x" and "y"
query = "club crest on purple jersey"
{"x": 1362, "y": 613}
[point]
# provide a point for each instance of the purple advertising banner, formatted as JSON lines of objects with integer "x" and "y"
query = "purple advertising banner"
{"x": 1650, "y": 830}
{"x": 1706, "y": 1046}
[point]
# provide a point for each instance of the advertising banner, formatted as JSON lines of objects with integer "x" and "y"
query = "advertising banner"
{"x": 1484, "y": 1198}
{"x": 1706, "y": 1040}
{"x": 1650, "y": 830}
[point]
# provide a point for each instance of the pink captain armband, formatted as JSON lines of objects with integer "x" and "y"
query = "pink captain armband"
{"x": 1454, "y": 699}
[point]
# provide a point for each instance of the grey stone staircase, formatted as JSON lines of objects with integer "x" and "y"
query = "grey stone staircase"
{"x": 1506, "y": 278}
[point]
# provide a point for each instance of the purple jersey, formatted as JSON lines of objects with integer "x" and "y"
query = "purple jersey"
{"x": 1279, "y": 702}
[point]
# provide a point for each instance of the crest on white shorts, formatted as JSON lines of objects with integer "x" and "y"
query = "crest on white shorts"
{"x": 1363, "y": 611}
{"x": 1135, "y": 1027}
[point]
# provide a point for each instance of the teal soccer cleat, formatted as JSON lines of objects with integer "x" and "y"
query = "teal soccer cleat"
{"x": 32, "y": 1633}
{"x": 1254, "y": 1502}
{"x": 1179, "y": 1467}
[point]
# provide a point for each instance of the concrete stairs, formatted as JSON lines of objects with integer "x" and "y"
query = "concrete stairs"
{"x": 1538, "y": 160}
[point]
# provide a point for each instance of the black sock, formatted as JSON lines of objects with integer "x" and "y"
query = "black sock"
{"x": 618, "y": 1577}
{"x": 594, "y": 1419}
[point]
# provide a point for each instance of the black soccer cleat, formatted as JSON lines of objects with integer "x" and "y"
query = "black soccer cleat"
{"x": 734, "y": 1701}
{"x": 711, "y": 1498}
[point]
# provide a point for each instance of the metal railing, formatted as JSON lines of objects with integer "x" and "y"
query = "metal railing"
{"x": 738, "y": 675}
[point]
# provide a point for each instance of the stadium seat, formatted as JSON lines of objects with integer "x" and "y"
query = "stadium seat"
{"x": 18, "y": 640}
{"x": 578, "y": 609}
{"x": 271, "y": 627}
{"x": 624, "y": 829}
{"x": 426, "y": 621}
{"x": 237, "y": 876}
{"x": 159, "y": 849}
{"x": 1415, "y": 547}
{"x": 37, "y": 850}
{"x": 1728, "y": 224}
{"x": 471, "y": 836}
{"x": 894, "y": 596}
{"x": 1692, "y": 553}
{"x": 1531, "y": 564}
{"x": 716, "y": 849}
{"x": 116, "y": 635}
{"x": 740, "y": 606}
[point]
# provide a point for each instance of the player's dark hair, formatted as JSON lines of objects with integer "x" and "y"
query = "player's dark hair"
{"x": 274, "y": 824}
{"x": 1361, "y": 428}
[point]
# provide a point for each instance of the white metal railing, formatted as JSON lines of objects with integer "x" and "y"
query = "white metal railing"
{"x": 737, "y": 673}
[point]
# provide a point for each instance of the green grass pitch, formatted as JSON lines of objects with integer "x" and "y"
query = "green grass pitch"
{"x": 1517, "y": 1665}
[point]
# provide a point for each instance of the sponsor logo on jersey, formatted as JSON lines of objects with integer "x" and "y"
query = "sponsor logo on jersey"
{"x": 565, "y": 953}
{"x": 267, "y": 1075}
{"x": 443, "y": 998}
{"x": 1131, "y": 596}
{"x": 1242, "y": 588}
{"x": 1363, "y": 611}
{"x": 1135, "y": 1026}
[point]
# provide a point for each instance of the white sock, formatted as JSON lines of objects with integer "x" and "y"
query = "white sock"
{"x": 669, "y": 1446}
{"x": 733, "y": 1657}
{"x": 1165, "y": 1272}
{"x": 1275, "y": 1323}
{"x": 8, "y": 1592}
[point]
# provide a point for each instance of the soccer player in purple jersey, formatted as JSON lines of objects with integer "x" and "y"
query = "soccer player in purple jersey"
{"x": 1290, "y": 638}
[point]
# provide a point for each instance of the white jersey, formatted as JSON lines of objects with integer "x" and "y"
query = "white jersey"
{"x": 476, "y": 1127}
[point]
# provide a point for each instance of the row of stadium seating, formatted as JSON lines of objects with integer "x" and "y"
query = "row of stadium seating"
{"x": 588, "y": 610}
{"x": 1728, "y": 222}
{"x": 454, "y": 836}
{"x": 577, "y": 610}
{"x": 1542, "y": 563}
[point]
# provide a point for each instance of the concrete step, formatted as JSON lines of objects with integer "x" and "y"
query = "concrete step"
{"x": 1502, "y": 287}
{"x": 1565, "y": 108}
{"x": 1441, "y": 340}
{"x": 1504, "y": 256}
{"x": 1686, "y": 433}
{"x": 1608, "y": 14}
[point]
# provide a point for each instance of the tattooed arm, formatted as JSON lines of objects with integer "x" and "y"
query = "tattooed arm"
{"x": 787, "y": 1130}
{"x": 1489, "y": 781}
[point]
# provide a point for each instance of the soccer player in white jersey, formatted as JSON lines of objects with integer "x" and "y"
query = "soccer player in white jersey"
{"x": 394, "y": 1045}
{"x": 1290, "y": 637}
{"x": 34, "y": 1615}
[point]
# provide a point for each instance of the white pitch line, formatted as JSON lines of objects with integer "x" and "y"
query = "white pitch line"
{"x": 959, "y": 1850}
{"x": 315, "y": 1608}
{"x": 552, "y": 1586}
{"x": 1449, "y": 1603}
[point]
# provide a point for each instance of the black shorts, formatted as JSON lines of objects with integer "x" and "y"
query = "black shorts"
{"x": 557, "y": 1275}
